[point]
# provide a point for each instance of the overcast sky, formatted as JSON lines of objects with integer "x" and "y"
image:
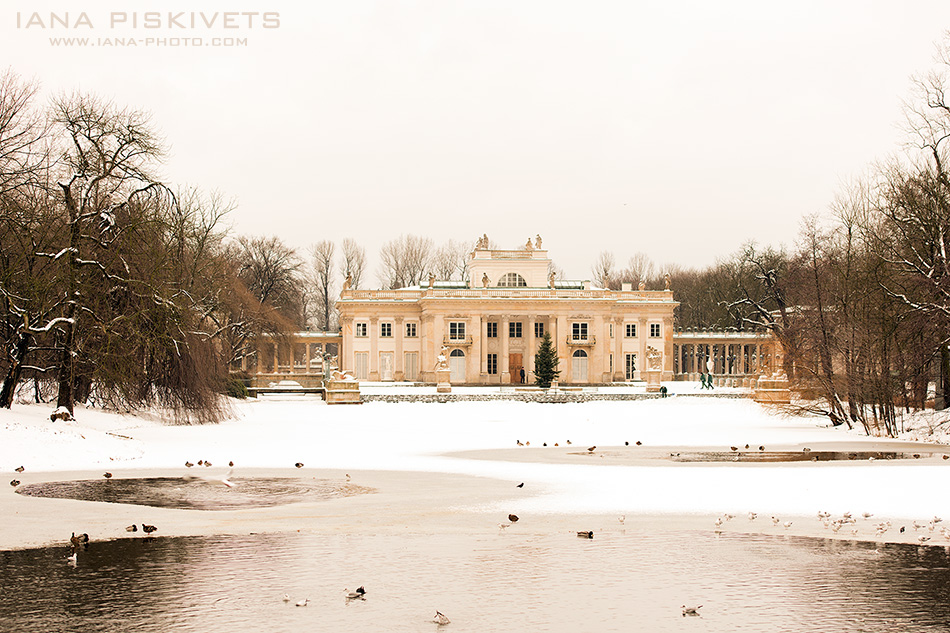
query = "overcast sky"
{"x": 677, "y": 129}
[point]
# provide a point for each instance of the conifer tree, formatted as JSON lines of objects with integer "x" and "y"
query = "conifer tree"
{"x": 545, "y": 363}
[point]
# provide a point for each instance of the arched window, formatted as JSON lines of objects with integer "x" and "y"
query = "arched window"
{"x": 579, "y": 366}
{"x": 457, "y": 366}
{"x": 512, "y": 280}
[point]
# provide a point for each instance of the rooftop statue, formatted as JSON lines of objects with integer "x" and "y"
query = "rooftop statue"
{"x": 485, "y": 280}
{"x": 348, "y": 282}
{"x": 537, "y": 242}
{"x": 528, "y": 245}
{"x": 551, "y": 279}
{"x": 666, "y": 280}
{"x": 642, "y": 286}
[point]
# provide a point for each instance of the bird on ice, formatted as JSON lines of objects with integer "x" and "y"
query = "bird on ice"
{"x": 752, "y": 516}
{"x": 299, "y": 464}
{"x": 132, "y": 528}
{"x": 148, "y": 529}
{"x": 590, "y": 449}
{"x": 188, "y": 464}
{"x": 691, "y": 610}
{"x": 513, "y": 518}
{"x": 107, "y": 475}
{"x": 19, "y": 469}
{"x": 441, "y": 619}
{"x": 521, "y": 485}
{"x": 14, "y": 482}
{"x": 587, "y": 534}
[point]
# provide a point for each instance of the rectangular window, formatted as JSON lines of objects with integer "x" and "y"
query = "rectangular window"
{"x": 411, "y": 330}
{"x": 631, "y": 366}
{"x": 579, "y": 331}
{"x": 360, "y": 330}
{"x": 412, "y": 366}
{"x": 538, "y": 330}
{"x": 386, "y": 330}
{"x": 361, "y": 362}
{"x": 456, "y": 330}
{"x": 492, "y": 330}
{"x": 493, "y": 363}
{"x": 630, "y": 330}
{"x": 514, "y": 329}
{"x": 654, "y": 330}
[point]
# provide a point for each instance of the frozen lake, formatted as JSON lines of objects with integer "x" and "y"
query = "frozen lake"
{"x": 515, "y": 579}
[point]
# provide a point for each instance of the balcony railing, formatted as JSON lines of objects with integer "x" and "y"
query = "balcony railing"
{"x": 465, "y": 340}
{"x": 586, "y": 341}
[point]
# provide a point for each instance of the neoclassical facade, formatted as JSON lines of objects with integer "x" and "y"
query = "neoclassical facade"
{"x": 491, "y": 325}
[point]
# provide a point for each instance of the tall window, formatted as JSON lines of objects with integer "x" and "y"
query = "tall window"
{"x": 386, "y": 330}
{"x": 538, "y": 329}
{"x": 360, "y": 329}
{"x": 631, "y": 366}
{"x": 610, "y": 329}
{"x": 579, "y": 331}
{"x": 493, "y": 363}
{"x": 654, "y": 330}
{"x": 514, "y": 329}
{"x": 411, "y": 330}
{"x": 512, "y": 280}
{"x": 456, "y": 330}
{"x": 492, "y": 330}
{"x": 630, "y": 330}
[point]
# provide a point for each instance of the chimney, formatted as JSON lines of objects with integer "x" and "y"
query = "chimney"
{"x": 626, "y": 286}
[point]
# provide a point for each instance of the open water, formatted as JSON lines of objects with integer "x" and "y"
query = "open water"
{"x": 510, "y": 580}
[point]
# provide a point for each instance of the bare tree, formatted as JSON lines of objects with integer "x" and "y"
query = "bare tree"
{"x": 24, "y": 135}
{"x": 603, "y": 270}
{"x": 271, "y": 271}
{"x": 450, "y": 261}
{"x": 639, "y": 269}
{"x": 354, "y": 262}
{"x": 321, "y": 271}
{"x": 404, "y": 261}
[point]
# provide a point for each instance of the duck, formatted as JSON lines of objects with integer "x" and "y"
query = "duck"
{"x": 441, "y": 619}
{"x": 356, "y": 595}
{"x": 148, "y": 529}
{"x": 588, "y": 534}
{"x": 691, "y": 610}
{"x": 132, "y": 528}
{"x": 207, "y": 464}
{"x": 752, "y": 516}
{"x": 521, "y": 485}
{"x": 513, "y": 518}
{"x": 639, "y": 443}
{"x": 188, "y": 464}
{"x": 303, "y": 603}
{"x": 19, "y": 469}
{"x": 231, "y": 464}
{"x": 14, "y": 482}
{"x": 299, "y": 464}
{"x": 286, "y": 597}
{"x": 107, "y": 475}
{"x": 590, "y": 449}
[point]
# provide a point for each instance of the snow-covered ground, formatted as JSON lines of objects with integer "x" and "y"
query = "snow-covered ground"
{"x": 276, "y": 432}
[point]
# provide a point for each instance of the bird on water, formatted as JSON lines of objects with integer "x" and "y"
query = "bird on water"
{"x": 690, "y": 610}
{"x": 441, "y": 619}
{"x": 356, "y": 595}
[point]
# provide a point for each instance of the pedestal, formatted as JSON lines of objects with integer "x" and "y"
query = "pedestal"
{"x": 653, "y": 380}
{"x": 442, "y": 377}
{"x": 343, "y": 392}
{"x": 772, "y": 390}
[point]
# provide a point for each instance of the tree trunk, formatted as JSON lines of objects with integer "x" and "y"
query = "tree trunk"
{"x": 64, "y": 396}
{"x": 12, "y": 378}
{"x": 943, "y": 380}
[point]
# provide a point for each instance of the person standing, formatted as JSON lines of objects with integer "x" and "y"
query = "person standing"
{"x": 522, "y": 375}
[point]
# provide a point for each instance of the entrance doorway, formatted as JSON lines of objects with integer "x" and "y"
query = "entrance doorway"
{"x": 514, "y": 367}
{"x": 457, "y": 366}
{"x": 579, "y": 366}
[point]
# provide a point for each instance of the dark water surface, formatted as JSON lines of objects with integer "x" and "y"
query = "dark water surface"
{"x": 513, "y": 580}
{"x": 197, "y": 493}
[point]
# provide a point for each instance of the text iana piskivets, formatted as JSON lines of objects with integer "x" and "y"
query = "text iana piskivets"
{"x": 151, "y": 20}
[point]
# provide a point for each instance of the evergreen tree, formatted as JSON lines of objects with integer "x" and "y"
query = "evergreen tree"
{"x": 545, "y": 363}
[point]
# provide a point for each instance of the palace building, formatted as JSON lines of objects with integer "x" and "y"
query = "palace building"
{"x": 491, "y": 325}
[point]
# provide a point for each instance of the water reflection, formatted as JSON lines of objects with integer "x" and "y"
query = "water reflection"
{"x": 514, "y": 580}
{"x": 196, "y": 493}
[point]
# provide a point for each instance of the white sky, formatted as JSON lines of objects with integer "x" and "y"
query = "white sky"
{"x": 678, "y": 129}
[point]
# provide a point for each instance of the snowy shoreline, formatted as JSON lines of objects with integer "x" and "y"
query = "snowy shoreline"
{"x": 453, "y": 467}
